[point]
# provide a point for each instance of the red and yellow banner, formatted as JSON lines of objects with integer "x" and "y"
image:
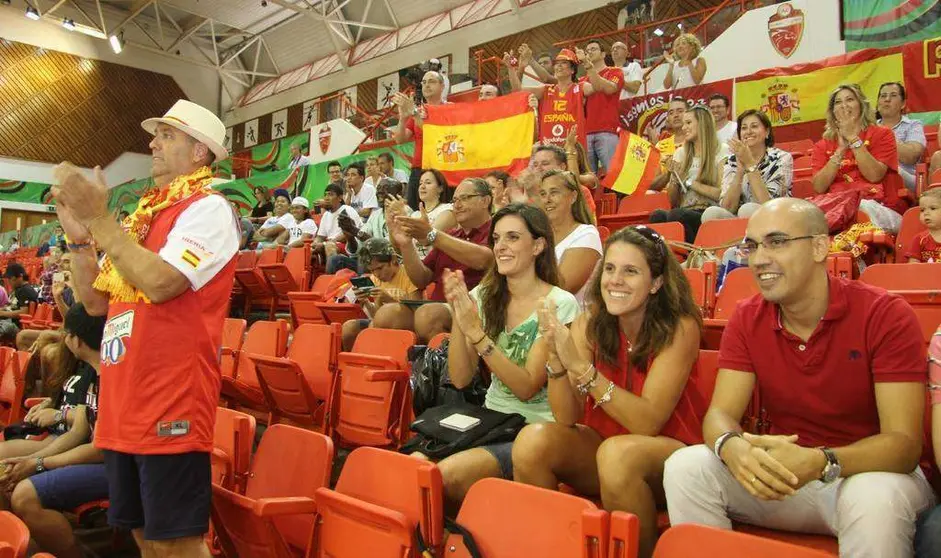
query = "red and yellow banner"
{"x": 922, "y": 65}
{"x": 798, "y": 94}
{"x": 640, "y": 114}
{"x": 635, "y": 164}
{"x": 470, "y": 139}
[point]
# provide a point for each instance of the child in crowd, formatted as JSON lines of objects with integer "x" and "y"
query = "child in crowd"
{"x": 926, "y": 246}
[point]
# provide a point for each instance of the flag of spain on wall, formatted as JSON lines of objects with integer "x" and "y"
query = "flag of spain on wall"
{"x": 635, "y": 164}
{"x": 470, "y": 139}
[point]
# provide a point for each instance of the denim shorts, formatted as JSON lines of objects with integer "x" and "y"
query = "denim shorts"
{"x": 503, "y": 452}
{"x": 69, "y": 487}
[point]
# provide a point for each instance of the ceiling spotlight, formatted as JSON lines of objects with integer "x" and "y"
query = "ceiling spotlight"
{"x": 264, "y": 3}
{"x": 680, "y": 25}
{"x": 31, "y": 13}
{"x": 117, "y": 43}
{"x": 68, "y": 24}
{"x": 658, "y": 32}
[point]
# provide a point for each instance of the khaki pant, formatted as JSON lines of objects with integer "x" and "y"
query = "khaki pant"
{"x": 872, "y": 514}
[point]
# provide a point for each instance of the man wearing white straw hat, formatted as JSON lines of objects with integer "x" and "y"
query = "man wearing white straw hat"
{"x": 164, "y": 283}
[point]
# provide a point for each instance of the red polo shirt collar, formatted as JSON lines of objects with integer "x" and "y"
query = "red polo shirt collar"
{"x": 837, "y": 305}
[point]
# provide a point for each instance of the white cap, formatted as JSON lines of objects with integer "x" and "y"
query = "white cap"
{"x": 301, "y": 200}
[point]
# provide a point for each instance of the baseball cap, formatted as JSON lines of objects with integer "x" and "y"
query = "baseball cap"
{"x": 15, "y": 270}
{"x": 375, "y": 248}
{"x": 302, "y": 201}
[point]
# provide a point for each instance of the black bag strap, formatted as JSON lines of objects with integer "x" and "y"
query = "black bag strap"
{"x": 452, "y": 527}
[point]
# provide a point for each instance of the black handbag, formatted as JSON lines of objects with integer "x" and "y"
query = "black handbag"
{"x": 437, "y": 442}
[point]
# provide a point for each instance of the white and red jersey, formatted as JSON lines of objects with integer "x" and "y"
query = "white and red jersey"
{"x": 559, "y": 111}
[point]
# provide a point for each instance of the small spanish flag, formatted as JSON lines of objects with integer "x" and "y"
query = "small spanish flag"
{"x": 463, "y": 140}
{"x": 190, "y": 258}
{"x": 635, "y": 164}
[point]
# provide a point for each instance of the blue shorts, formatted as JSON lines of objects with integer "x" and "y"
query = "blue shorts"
{"x": 69, "y": 487}
{"x": 173, "y": 492}
{"x": 503, "y": 452}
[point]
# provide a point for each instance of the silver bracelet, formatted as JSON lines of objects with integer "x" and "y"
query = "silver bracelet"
{"x": 606, "y": 396}
{"x": 584, "y": 388}
{"x": 552, "y": 374}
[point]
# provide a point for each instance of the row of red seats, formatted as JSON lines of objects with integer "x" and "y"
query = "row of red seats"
{"x": 12, "y": 385}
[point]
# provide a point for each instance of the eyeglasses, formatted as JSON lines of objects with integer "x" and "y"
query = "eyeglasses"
{"x": 465, "y": 199}
{"x": 749, "y": 247}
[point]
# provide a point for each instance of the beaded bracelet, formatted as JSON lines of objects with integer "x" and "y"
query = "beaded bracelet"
{"x": 606, "y": 396}
{"x": 587, "y": 386}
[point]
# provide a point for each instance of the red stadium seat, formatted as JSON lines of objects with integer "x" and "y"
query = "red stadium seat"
{"x": 291, "y": 275}
{"x": 803, "y": 188}
{"x": 671, "y": 231}
{"x": 324, "y": 289}
{"x": 14, "y": 536}
{"x": 438, "y": 340}
{"x": 264, "y": 338}
{"x": 41, "y": 319}
{"x": 607, "y": 204}
{"x": 340, "y": 312}
{"x": 919, "y": 284}
{"x": 350, "y": 528}
{"x": 635, "y": 210}
{"x": 603, "y": 232}
{"x": 233, "y": 439}
{"x": 624, "y": 539}
{"x": 688, "y": 540}
{"x": 275, "y": 517}
{"x": 697, "y": 284}
{"x": 372, "y": 389}
{"x": 560, "y": 524}
{"x": 12, "y": 384}
{"x": 738, "y": 285}
{"x": 233, "y": 333}
{"x": 911, "y": 226}
{"x": 719, "y": 232}
{"x": 299, "y": 386}
{"x": 407, "y": 486}
{"x": 256, "y": 290}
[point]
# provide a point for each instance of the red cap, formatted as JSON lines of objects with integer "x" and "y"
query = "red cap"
{"x": 566, "y": 55}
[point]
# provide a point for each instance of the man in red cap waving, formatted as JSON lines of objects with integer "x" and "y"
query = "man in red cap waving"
{"x": 164, "y": 284}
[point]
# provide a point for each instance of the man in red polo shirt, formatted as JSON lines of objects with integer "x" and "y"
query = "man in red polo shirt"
{"x": 464, "y": 248}
{"x": 409, "y": 128}
{"x": 841, "y": 370}
{"x": 601, "y": 86}
{"x": 164, "y": 284}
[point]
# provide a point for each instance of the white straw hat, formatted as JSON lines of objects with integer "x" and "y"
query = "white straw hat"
{"x": 195, "y": 121}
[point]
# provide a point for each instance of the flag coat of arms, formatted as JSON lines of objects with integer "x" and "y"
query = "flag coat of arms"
{"x": 635, "y": 164}
{"x": 464, "y": 140}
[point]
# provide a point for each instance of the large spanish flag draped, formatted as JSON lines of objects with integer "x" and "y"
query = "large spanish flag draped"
{"x": 635, "y": 164}
{"x": 470, "y": 139}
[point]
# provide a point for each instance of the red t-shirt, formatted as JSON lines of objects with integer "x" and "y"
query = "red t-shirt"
{"x": 437, "y": 261}
{"x": 602, "y": 111}
{"x": 880, "y": 142}
{"x": 924, "y": 248}
{"x": 559, "y": 111}
{"x": 684, "y": 425}
{"x": 823, "y": 390}
{"x": 417, "y": 138}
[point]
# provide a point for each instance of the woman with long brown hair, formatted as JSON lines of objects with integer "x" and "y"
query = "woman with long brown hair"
{"x": 496, "y": 324}
{"x": 618, "y": 383}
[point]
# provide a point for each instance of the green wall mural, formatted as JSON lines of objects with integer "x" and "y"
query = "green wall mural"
{"x": 885, "y": 23}
{"x": 25, "y": 192}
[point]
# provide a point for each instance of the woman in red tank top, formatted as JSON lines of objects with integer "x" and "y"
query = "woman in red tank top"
{"x": 619, "y": 384}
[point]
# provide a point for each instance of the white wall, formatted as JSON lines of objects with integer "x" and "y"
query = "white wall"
{"x": 128, "y": 166}
{"x": 200, "y": 84}
{"x": 744, "y": 48}
{"x": 455, "y": 43}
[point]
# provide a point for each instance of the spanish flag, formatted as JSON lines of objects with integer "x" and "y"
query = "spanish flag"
{"x": 463, "y": 140}
{"x": 634, "y": 166}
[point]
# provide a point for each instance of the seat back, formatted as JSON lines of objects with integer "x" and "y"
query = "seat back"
{"x": 246, "y": 259}
{"x": 291, "y": 462}
{"x": 304, "y": 306}
{"x": 270, "y": 256}
{"x": 14, "y": 536}
{"x": 708, "y": 542}
{"x": 669, "y": 231}
{"x": 697, "y": 285}
{"x": 644, "y": 203}
{"x": 407, "y": 485}
{"x": 803, "y": 188}
{"x": 340, "y": 312}
{"x": 264, "y": 338}
{"x": 720, "y": 231}
{"x": 233, "y": 334}
{"x": 371, "y": 413}
{"x": 603, "y": 231}
{"x": 738, "y": 285}
{"x": 350, "y": 528}
{"x": 568, "y": 525}
{"x": 911, "y": 226}
{"x": 12, "y": 384}
{"x": 290, "y": 275}
{"x": 233, "y": 437}
{"x": 299, "y": 387}
{"x": 920, "y": 286}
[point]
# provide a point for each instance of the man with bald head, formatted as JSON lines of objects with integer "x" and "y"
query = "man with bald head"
{"x": 633, "y": 73}
{"x": 488, "y": 91}
{"x": 840, "y": 366}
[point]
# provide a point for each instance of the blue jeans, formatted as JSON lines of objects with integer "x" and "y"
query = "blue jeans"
{"x": 601, "y": 148}
{"x": 928, "y": 534}
{"x": 342, "y": 261}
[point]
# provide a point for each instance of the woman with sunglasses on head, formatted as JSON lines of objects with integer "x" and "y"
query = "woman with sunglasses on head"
{"x": 495, "y": 324}
{"x": 695, "y": 174}
{"x": 755, "y": 172}
{"x": 857, "y": 154}
{"x": 577, "y": 242}
{"x": 619, "y": 384}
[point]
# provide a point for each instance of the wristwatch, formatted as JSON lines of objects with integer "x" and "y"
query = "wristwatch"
{"x": 751, "y": 169}
{"x": 40, "y": 468}
{"x": 722, "y": 439}
{"x": 432, "y": 235}
{"x": 856, "y": 144}
{"x": 59, "y": 416}
{"x": 833, "y": 468}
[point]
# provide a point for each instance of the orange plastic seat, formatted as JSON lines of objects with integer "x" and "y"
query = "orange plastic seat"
{"x": 567, "y": 525}
{"x": 803, "y": 188}
{"x": 697, "y": 284}
{"x": 340, "y": 312}
{"x": 603, "y": 232}
{"x": 291, "y": 275}
{"x": 719, "y": 232}
{"x": 738, "y": 285}
{"x": 669, "y": 231}
{"x": 275, "y": 517}
{"x": 12, "y": 384}
{"x": 233, "y": 334}
{"x": 919, "y": 284}
{"x": 299, "y": 386}
{"x": 14, "y": 536}
{"x": 41, "y": 319}
{"x": 372, "y": 390}
{"x": 263, "y": 338}
{"x": 911, "y": 226}
{"x": 607, "y": 204}
{"x": 687, "y": 540}
{"x": 254, "y": 287}
{"x": 324, "y": 289}
{"x": 233, "y": 438}
{"x": 407, "y": 486}
{"x": 635, "y": 210}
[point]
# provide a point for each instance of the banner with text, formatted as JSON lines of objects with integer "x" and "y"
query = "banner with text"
{"x": 921, "y": 62}
{"x": 646, "y": 111}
